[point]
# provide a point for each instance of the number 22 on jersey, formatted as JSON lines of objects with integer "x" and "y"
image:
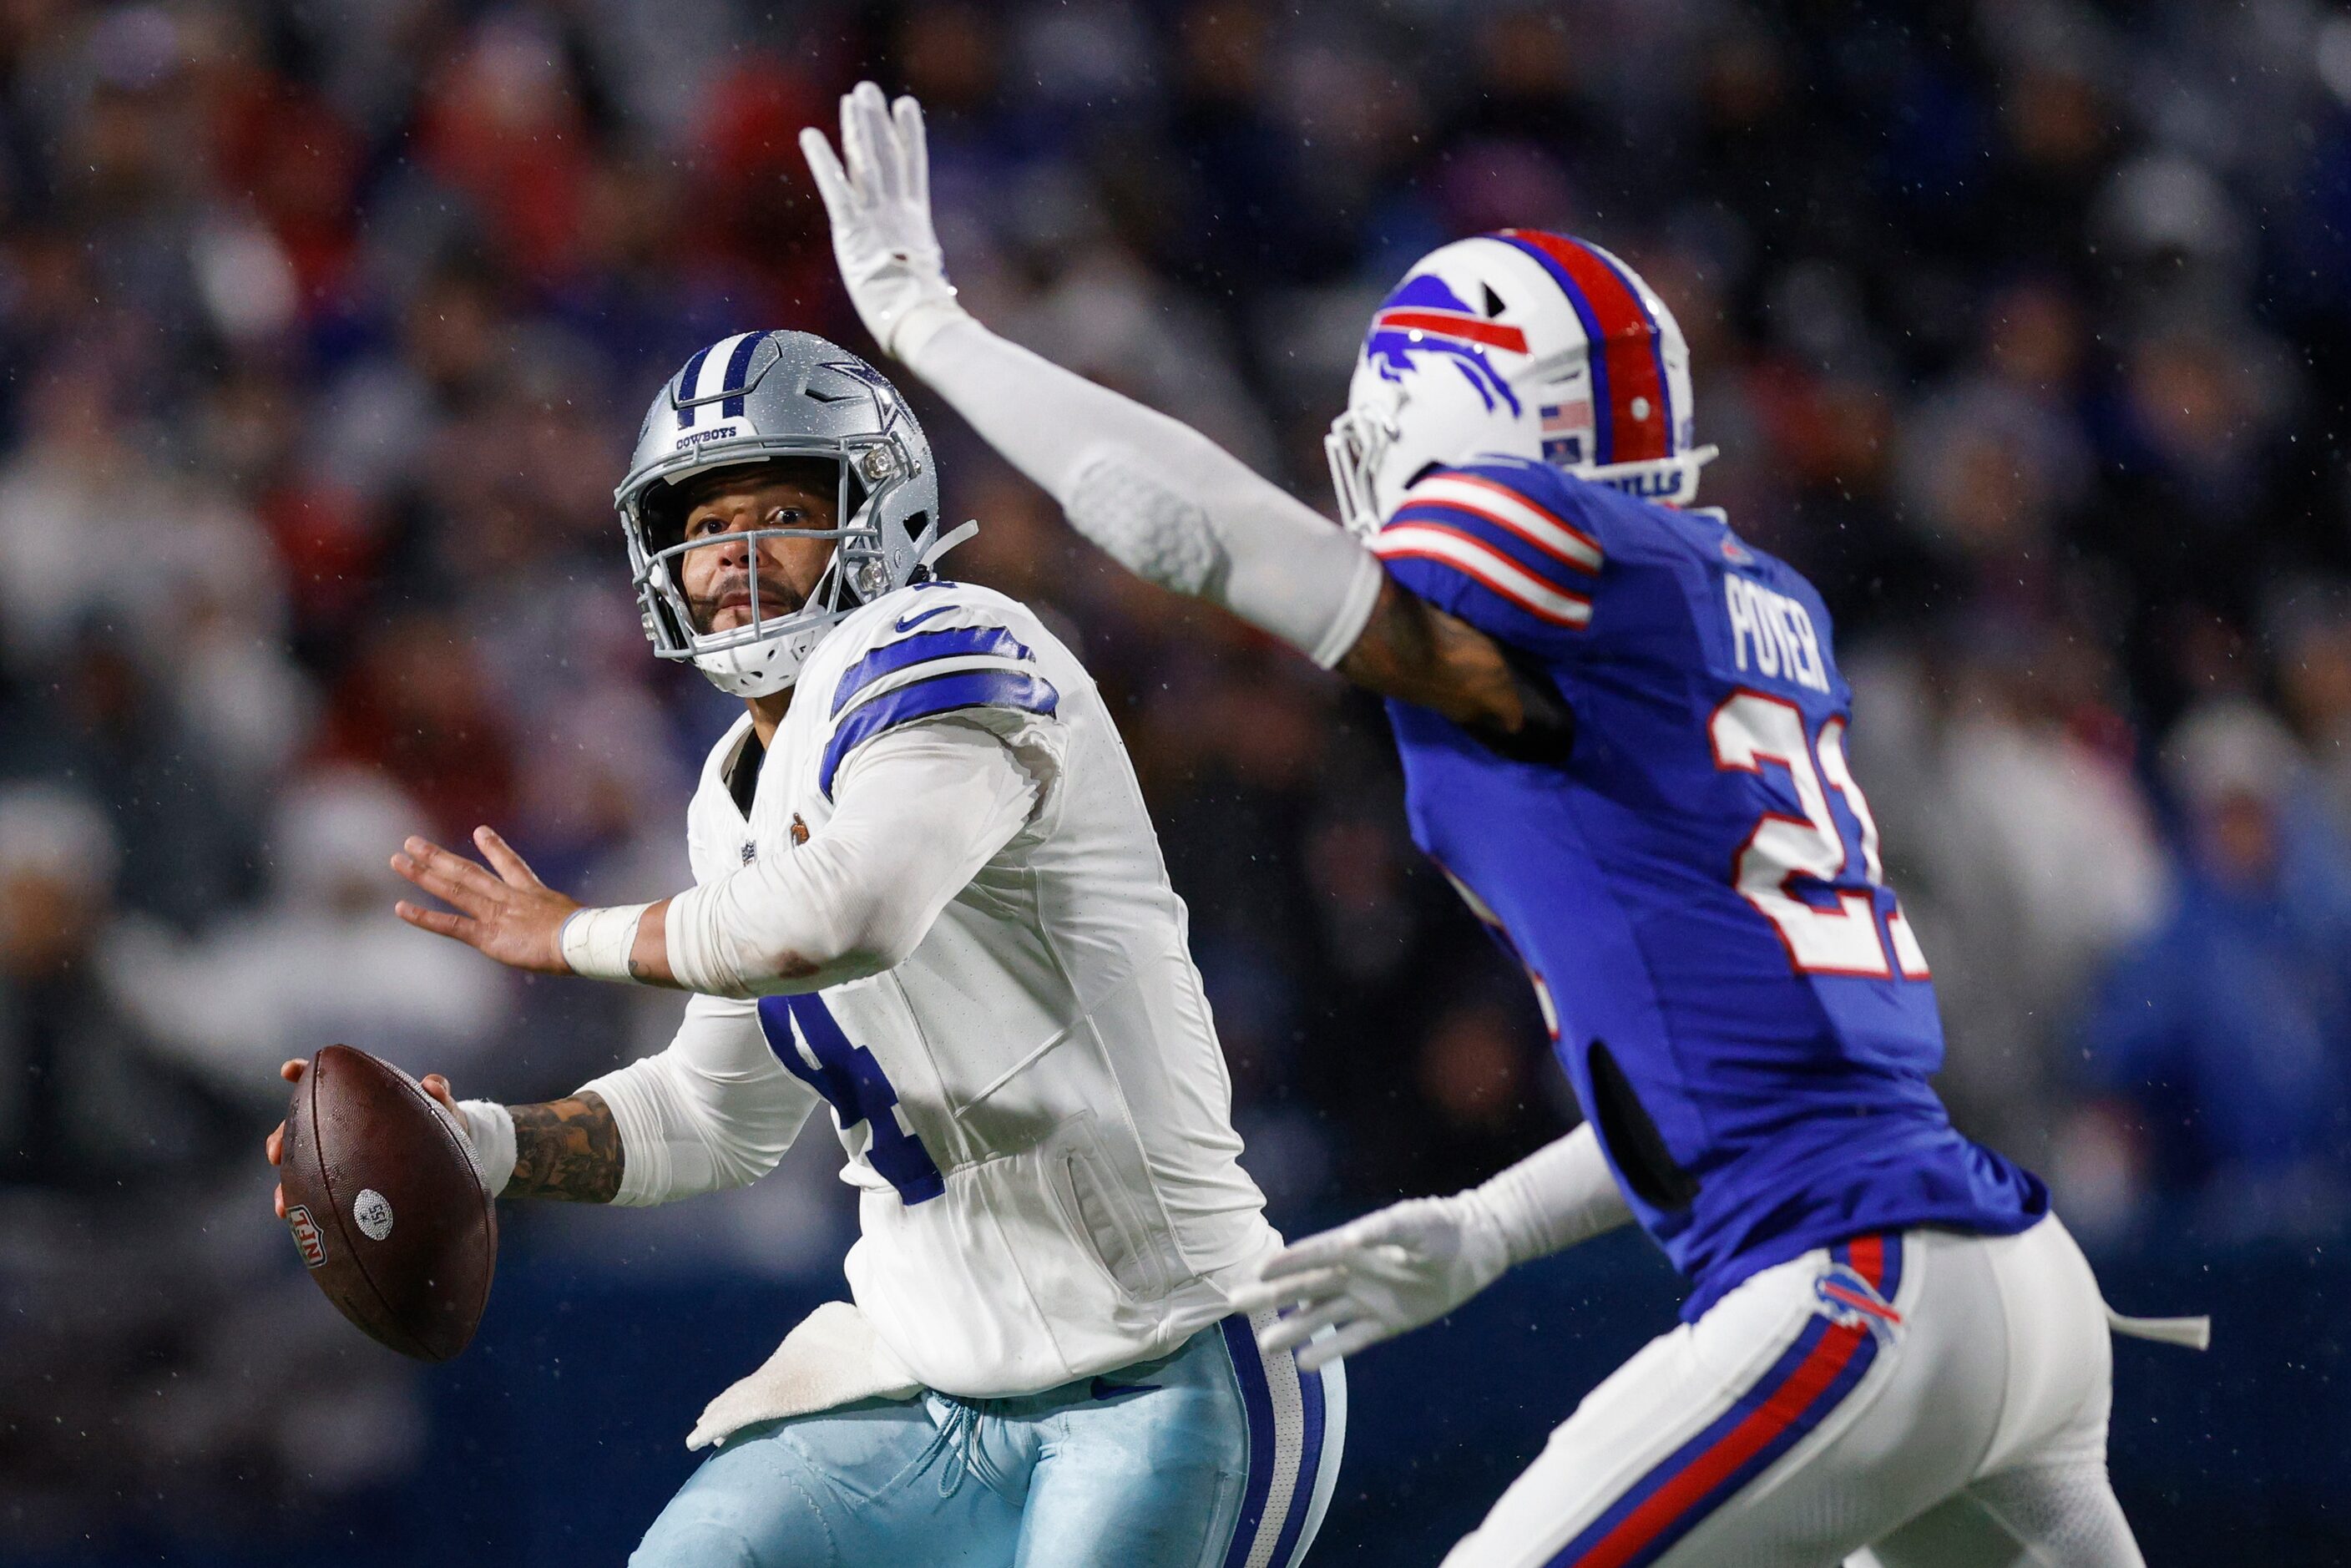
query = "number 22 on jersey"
{"x": 854, "y": 1083}
{"x": 1750, "y": 730}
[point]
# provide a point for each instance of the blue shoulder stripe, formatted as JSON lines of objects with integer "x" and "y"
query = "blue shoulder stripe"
{"x": 921, "y": 649}
{"x": 924, "y": 699}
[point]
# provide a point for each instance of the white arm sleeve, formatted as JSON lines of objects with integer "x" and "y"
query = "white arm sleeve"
{"x": 1561, "y": 1194}
{"x": 714, "y": 1109}
{"x": 922, "y": 809}
{"x": 1169, "y": 504}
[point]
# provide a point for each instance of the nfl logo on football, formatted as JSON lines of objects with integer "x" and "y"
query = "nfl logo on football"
{"x": 307, "y": 1240}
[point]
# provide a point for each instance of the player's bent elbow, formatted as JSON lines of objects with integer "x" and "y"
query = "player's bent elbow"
{"x": 881, "y": 937}
{"x": 808, "y": 968}
{"x": 796, "y": 962}
{"x": 873, "y": 954}
{"x": 865, "y": 939}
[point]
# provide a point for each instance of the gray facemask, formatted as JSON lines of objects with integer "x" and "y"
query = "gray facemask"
{"x": 753, "y": 398}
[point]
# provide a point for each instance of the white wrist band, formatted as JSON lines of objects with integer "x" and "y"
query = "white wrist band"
{"x": 596, "y": 942}
{"x": 491, "y": 1127}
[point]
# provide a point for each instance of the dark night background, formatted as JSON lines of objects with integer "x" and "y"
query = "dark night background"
{"x": 2025, "y": 326}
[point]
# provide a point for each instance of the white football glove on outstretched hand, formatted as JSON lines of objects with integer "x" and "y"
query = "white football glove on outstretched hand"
{"x": 1377, "y": 1277}
{"x": 1415, "y": 1261}
{"x": 880, "y": 211}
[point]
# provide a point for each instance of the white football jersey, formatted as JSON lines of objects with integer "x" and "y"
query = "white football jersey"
{"x": 1036, "y": 1109}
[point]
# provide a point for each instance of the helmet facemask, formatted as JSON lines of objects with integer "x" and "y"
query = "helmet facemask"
{"x": 763, "y": 655}
{"x": 1356, "y": 447}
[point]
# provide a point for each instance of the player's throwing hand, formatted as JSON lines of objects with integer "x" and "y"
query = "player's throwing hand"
{"x": 274, "y": 1145}
{"x": 1377, "y": 1277}
{"x": 512, "y": 917}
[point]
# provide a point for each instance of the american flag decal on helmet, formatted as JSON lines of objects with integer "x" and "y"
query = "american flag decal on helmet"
{"x": 1565, "y": 426}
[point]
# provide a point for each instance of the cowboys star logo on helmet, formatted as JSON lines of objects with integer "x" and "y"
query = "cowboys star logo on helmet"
{"x": 1518, "y": 344}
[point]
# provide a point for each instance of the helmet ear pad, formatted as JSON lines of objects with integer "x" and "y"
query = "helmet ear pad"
{"x": 1440, "y": 420}
{"x": 661, "y": 512}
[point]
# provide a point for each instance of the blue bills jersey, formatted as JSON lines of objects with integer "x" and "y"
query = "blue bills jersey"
{"x": 1697, "y": 893}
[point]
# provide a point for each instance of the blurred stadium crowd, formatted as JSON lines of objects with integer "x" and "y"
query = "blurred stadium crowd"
{"x": 2024, "y": 327}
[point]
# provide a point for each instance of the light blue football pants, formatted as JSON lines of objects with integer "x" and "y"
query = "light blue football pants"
{"x": 1219, "y": 1456}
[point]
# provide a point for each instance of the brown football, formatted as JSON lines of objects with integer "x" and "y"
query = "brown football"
{"x": 386, "y": 1205}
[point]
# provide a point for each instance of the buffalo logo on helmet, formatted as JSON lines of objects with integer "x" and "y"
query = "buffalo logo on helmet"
{"x": 1424, "y": 316}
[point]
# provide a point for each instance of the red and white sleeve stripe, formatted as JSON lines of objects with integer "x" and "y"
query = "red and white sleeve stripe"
{"x": 1490, "y": 567}
{"x": 1506, "y": 508}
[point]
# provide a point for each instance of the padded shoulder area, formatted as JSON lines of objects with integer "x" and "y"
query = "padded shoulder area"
{"x": 920, "y": 652}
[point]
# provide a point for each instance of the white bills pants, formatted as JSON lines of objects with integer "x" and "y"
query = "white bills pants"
{"x": 1936, "y": 1399}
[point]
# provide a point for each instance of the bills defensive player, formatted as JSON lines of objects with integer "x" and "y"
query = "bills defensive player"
{"x": 927, "y": 894}
{"x": 1623, "y": 732}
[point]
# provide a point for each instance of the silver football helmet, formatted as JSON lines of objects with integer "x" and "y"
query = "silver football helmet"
{"x": 752, "y": 398}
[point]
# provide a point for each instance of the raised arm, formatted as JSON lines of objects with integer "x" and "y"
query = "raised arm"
{"x": 1164, "y": 500}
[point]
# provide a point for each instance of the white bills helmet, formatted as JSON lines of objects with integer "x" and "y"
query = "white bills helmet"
{"x": 753, "y": 398}
{"x": 1524, "y": 344}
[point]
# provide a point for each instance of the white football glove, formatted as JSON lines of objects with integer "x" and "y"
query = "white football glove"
{"x": 1377, "y": 1277}
{"x": 880, "y": 211}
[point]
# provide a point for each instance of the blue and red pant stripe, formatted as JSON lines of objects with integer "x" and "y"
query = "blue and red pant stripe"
{"x": 1808, "y": 1381}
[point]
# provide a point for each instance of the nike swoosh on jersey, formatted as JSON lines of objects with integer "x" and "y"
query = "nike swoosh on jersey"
{"x": 911, "y": 622}
{"x": 1103, "y": 1388}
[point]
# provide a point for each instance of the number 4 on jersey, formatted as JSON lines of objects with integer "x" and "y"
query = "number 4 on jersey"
{"x": 1751, "y": 730}
{"x": 854, "y": 1083}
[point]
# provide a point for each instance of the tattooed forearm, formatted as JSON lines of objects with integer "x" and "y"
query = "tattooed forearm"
{"x": 568, "y": 1149}
{"x": 1413, "y": 651}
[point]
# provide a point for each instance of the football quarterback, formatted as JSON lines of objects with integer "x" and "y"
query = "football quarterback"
{"x": 928, "y": 896}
